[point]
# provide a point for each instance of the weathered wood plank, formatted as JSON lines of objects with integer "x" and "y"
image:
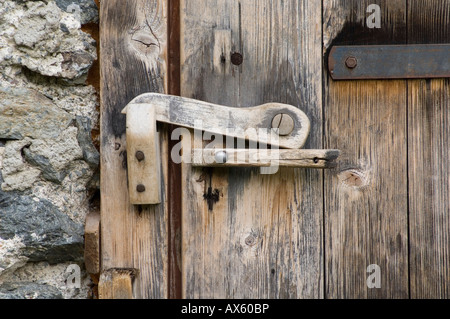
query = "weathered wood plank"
{"x": 429, "y": 159}
{"x": 116, "y": 284}
{"x": 276, "y": 158}
{"x": 143, "y": 158}
{"x": 252, "y": 123}
{"x": 92, "y": 243}
{"x": 174, "y": 169}
{"x": 263, "y": 237}
{"x": 133, "y": 52}
{"x": 366, "y": 197}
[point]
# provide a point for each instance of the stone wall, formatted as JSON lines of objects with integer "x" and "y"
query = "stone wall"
{"x": 48, "y": 160}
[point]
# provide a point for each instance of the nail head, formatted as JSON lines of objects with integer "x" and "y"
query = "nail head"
{"x": 140, "y": 188}
{"x": 236, "y": 58}
{"x": 140, "y": 156}
{"x": 351, "y": 62}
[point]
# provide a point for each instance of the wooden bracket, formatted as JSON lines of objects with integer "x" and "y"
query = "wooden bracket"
{"x": 275, "y": 124}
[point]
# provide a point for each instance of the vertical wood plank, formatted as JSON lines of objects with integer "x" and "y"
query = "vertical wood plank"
{"x": 263, "y": 237}
{"x": 366, "y": 197}
{"x": 133, "y": 61}
{"x": 116, "y": 284}
{"x": 429, "y": 160}
{"x": 174, "y": 178}
{"x": 92, "y": 243}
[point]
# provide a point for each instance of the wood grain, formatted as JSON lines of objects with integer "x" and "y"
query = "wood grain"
{"x": 92, "y": 243}
{"x": 263, "y": 237}
{"x": 251, "y": 123}
{"x": 116, "y": 284}
{"x": 366, "y": 200}
{"x": 320, "y": 159}
{"x": 429, "y": 159}
{"x": 144, "y": 171}
{"x": 174, "y": 170}
{"x": 133, "y": 53}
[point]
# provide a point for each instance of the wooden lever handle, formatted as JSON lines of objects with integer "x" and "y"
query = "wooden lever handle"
{"x": 256, "y": 123}
{"x": 273, "y": 124}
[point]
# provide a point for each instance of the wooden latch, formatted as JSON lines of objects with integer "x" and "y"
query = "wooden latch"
{"x": 274, "y": 124}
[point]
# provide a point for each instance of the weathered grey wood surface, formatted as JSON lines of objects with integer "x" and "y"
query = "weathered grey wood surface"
{"x": 265, "y": 158}
{"x": 133, "y": 50}
{"x": 300, "y": 233}
{"x": 263, "y": 237}
{"x": 253, "y": 123}
{"x": 429, "y": 159}
{"x": 366, "y": 198}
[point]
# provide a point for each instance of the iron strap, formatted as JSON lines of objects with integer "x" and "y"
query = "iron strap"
{"x": 389, "y": 61}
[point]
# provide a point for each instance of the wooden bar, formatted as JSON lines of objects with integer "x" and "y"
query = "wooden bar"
{"x": 265, "y": 158}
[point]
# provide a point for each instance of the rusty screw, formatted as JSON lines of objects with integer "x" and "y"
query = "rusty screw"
{"x": 351, "y": 62}
{"x": 140, "y": 156}
{"x": 283, "y": 124}
{"x": 140, "y": 188}
{"x": 236, "y": 58}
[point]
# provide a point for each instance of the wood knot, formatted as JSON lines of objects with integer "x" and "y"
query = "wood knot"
{"x": 251, "y": 240}
{"x": 354, "y": 178}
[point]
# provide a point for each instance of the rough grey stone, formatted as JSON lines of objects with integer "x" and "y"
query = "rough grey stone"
{"x": 76, "y": 64}
{"x": 86, "y": 9}
{"x": 16, "y": 172}
{"x": 47, "y": 234}
{"x": 27, "y": 113}
{"x": 47, "y": 170}
{"x": 29, "y": 290}
{"x": 62, "y": 151}
{"x": 90, "y": 153}
{"x": 46, "y": 40}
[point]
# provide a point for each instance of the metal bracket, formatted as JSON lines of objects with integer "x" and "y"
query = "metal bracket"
{"x": 275, "y": 124}
{"x": 389, "y": 61}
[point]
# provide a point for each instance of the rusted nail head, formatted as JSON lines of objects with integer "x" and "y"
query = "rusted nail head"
{"x": 351, "y": 62}
{"x": 236, "y": 58}
{"x": 140, "y": 188}
{"x": 140, "y": 156}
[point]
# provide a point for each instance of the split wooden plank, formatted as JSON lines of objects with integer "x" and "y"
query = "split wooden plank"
{"x": 429, "y": 160}
{"x": 133, "y": 61}
{"x": 263, "y": 236}
{"x": 366, "y": 199}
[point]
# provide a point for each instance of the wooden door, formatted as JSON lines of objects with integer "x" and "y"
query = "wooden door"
{"x": 299, "y": 233}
